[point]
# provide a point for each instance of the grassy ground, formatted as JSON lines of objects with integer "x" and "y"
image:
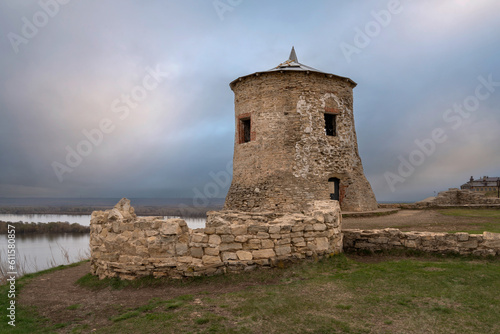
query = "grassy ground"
{"x": 386, "y": 293}
{"x": 445, "y": 220}
{"x": 341, "y": 295}
{"x": 336, "y": 295}
{"x": 26, "y": 318}
{"x": 491, "y": 224}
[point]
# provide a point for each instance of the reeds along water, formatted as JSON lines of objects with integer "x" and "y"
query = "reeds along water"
{"x": 50, "y": 227}
{"x": 25, "y": 265}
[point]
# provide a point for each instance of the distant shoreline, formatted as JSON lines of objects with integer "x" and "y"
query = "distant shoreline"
{"x": 105, "y": 202}
{"x": 144, "y": 207}
{"x": 42, "y": 228}
{"x": 184, "y": 212}
{"x": 180, "y": 207}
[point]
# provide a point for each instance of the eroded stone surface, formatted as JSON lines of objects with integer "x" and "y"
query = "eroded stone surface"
{"x": 288, "y": 161}
{"x": 455, "y": 196}
{"x": 126, "y": 246}
{"x": 463, "y": 243}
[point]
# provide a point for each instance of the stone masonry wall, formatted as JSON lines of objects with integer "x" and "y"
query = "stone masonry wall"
{"x": 455, "y": 196}
{"x": 389, "y": 238}
{"x": 288, "y": 161}
{"x": 126, "y": 246}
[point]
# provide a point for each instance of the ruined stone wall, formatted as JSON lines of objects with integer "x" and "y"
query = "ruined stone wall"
{"x": 289, "y": 160}
{"x": 455, "y": 196}
{"x": 389, "y": 238}
{"x": 126, "y": 246}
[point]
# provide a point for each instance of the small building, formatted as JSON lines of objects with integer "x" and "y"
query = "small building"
{"x": 482, "y": 185}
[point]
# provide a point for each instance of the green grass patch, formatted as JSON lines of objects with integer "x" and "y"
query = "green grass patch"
{"x": 331, "y": 295}
{"x": 74, "y": 307}
{"x": 339, "y": 295}
{"x": 202, "y": 321}
{"x": 462, "y": 212}
{"x": 485, "y": 227}
{"x": 124, "y": 316}
{"x": 152, "y": 308}
{"x": 61, "y": 325}
{"x": 343, "y": 307}
{"x": 491, "y": 219}
{"x": 93, "y": 282}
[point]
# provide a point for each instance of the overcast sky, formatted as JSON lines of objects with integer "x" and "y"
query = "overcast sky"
{"x": 152, "y": 77}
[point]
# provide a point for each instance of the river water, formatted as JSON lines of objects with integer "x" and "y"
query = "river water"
{"x": 37, "y": 252}
{"x": 42, "y": 218}
{"x": 80, "y": 219}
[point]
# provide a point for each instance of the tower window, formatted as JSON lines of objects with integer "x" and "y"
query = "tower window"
{"x": 245, "y": 130}
{"x": 330, "y": 124}
{"x": 333, "y": 188}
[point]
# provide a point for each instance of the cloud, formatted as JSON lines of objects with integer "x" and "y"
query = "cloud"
{"x": 65, "y": 79}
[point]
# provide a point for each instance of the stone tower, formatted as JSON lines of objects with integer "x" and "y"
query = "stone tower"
{"x": 295, "y": 142}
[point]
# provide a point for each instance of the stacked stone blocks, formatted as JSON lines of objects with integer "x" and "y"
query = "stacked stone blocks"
{"x": 459, "y": 243}
{"x": 126, "y": 246}
{"x": 455, "y": 196}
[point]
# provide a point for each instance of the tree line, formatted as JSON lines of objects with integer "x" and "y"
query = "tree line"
{"x": 53, "y": 227}
{"x": 187, "y": 212}
{"x": 49, "y": 210}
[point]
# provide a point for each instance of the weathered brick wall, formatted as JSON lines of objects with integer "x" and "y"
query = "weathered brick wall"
{"x": 126, "y": 246}
{"x": 386, "y": 239}
{"x": 289, "y": 160}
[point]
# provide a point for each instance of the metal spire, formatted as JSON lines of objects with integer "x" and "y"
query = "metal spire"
{"x": 293, "y": 56}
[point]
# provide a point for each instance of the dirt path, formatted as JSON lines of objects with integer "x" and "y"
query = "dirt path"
{"x": 415, "y": 220}
{"x": 53, "y": 293}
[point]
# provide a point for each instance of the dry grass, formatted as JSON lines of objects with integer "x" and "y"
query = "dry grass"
{"x": 340, "y": 295}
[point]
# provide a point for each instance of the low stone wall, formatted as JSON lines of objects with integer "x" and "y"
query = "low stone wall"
{"x": 126, "y": 246}
{"x": 455, "y": 196}
{"x": 451, "y": 198}
{"x": 389, "y": 238}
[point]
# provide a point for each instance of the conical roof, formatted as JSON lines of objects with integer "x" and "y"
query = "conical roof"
{"x": 292, "y": 64}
